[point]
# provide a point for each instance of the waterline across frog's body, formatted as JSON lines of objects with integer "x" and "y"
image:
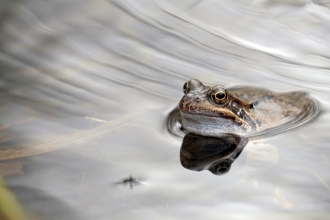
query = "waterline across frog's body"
{"x": 211, "y": 111}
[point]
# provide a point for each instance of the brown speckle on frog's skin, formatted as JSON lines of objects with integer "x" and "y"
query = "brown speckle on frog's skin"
{"x": 213, "y": 110}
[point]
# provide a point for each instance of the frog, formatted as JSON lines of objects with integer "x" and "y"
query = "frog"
{"x": 246, "y": 111}
{"x": 215, "y": 154}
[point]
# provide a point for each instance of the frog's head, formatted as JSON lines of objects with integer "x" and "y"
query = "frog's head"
{"x": 209, "y": 110}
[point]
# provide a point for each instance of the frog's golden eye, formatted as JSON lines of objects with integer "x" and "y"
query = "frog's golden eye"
{"x": 186, "y": 88}
{"x": 223, "y": 168}
{"x": 220, "y": 168}
{"x": 219, "y": 96}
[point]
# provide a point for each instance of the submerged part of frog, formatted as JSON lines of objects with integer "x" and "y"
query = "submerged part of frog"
{"x": 247, "y": 111}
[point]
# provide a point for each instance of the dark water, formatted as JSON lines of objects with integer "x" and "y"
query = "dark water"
{"x": 86, "y": 88}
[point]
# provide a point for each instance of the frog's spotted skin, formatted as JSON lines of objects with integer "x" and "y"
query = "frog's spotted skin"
{"x": 211, "y": 111}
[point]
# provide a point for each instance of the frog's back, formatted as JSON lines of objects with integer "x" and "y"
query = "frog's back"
{"x": 275, "y": 112}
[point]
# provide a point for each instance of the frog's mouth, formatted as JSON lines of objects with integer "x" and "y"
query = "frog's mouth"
{"x": 231, "y": 117}
{"x": 214, "y": 124}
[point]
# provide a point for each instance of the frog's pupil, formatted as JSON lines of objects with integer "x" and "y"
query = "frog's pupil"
{"x": 220, "y": 95}
{"x": 222, "y": 170}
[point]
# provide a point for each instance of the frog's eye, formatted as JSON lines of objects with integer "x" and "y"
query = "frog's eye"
{"x": 223, "y": 168}
{"x": 219, "y": 96}
{"x": 186, "y": 88}
{"x": 220, "y": 168}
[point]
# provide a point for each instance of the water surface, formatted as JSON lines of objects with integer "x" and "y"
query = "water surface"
{"x": 86, "y": 88}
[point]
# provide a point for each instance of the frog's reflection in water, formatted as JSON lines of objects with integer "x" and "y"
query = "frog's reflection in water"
{"x": 215, "y": 154}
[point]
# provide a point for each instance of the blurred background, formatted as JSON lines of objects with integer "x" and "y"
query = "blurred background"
{"x": 86, "y": 87}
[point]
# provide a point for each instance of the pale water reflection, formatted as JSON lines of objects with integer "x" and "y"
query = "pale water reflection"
{"x": 86, "y": 87}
